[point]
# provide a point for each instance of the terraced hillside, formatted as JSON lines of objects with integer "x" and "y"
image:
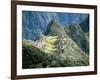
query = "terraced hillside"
{"x": 55, "y": 49}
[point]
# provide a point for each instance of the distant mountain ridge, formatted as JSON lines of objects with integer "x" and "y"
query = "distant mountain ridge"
{"x": 36, "y": 22}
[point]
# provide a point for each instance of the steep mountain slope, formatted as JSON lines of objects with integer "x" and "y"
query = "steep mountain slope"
{"x": 55, "y": 29}
{"x": 56, "y": 49}
{"x": 33, "y": 57}
{"x": 67, "y": 48}
{"x": 85, "y": 24}
{"x": 87, "y": 35}
{"x": 78, "y": 36}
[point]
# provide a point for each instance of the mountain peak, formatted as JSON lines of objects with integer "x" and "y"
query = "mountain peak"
{"x": 54, "y": 29}
{"x": 53, "y": 22}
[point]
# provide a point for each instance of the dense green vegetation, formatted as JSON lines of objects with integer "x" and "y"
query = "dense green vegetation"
{"x": 78, "y": 36}
{"x": 33, "y": 57}
{"x": 58, "y": 48}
